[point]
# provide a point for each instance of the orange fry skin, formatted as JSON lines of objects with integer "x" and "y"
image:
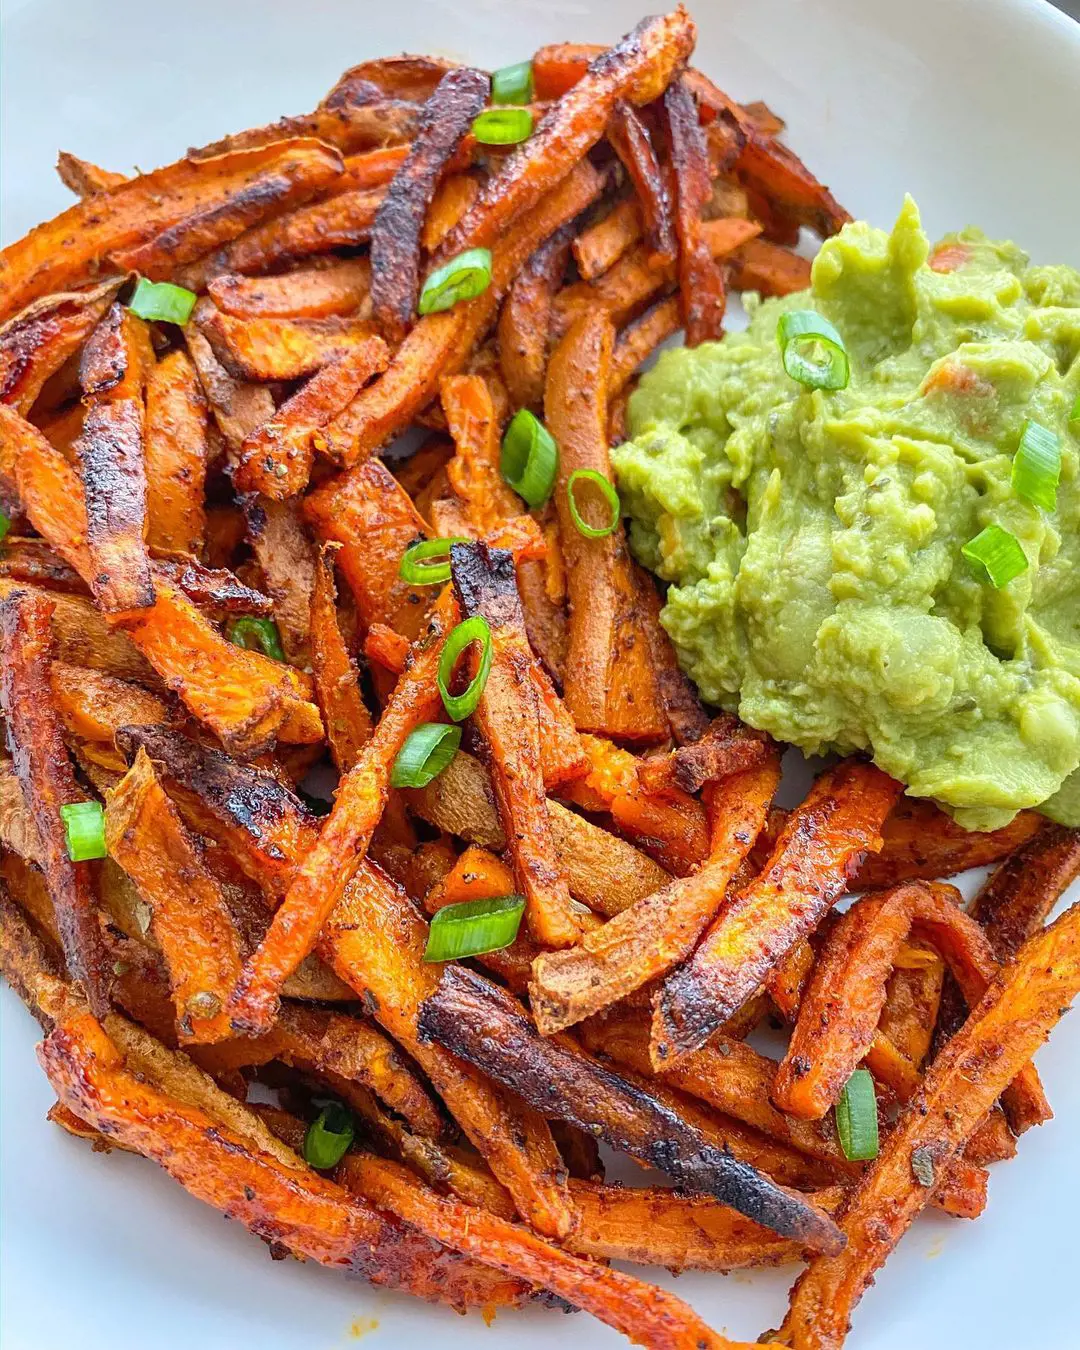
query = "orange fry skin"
{"x": 337, "y": 687}
{"x": 609, "y": 682}
{"x": 630, "y": 139}
{"x": 1017, "y": 898}
{"x": 307, "y": 293}
{"x": 474, "y": 470}
{"x": 281, "y": 349}
{"x": 525, "y": 321}
{"x": 36, "y": 343}
{"x": 758, "y": 265}
{"x": 806, "y": 874}
{"x": 190, "y": 918}
{"x": 176, "y": 450}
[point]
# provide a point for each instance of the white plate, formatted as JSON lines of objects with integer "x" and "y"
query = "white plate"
{"x": 974, "y": 108}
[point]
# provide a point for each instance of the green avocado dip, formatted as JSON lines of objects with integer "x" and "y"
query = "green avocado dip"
{"x": 813, "y": 539}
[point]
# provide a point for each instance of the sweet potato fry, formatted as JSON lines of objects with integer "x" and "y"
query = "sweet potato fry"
{"x": 239, "y": 407}
{"x": 1021, "y": 1006}
{"x": 350, "y": 127}
{"x": 758, "y": 265}
{"x": 83, "y": 638}
{"x": 652, "y": 1226}
{"x": 846, "y": 992}
{"x": 190, "y": 921}
{"x": 337, "y": 689}
{"x": 636, "y": 69}
{"x": 508, "y": 719}
{"x": 601, "y": 244}
{"x": 923, "y": 843}
{"x": 408, "y": 77}
{"x": 45, "y": 775}
{"x": 18, "y": 833}
{"x": 84, "y": 178}
{"x": 93, "y": 706}
{"x": 640, "y": 338}
{"x": 440, "y": 344}
{"x": 176, "y": 450}
{"x": 604, "y": 872}
{"x": 640, "y": 1311}
{"x": 214, "y": 589}
{"x": 281, "y": 349}
{"x": 109, "y": 452}
{"x": 375, "y": 941}
{"x": 525, "y": 321}
{"x": 701, "y": 280}
{"x": 649, "y": 938}
{"x": 66, "y": 250}
{"x": 453, "y": 197}
{"x": 474, "y": 470}
{"x": 395, "y": 237}
{"x": 283, "y": 1201}
{"x": 343, "y": 840}
{"x": 725, "y": 748}
{"x": 286, "y": 559}
{"x": 631, "y": 284}
{"x": 1015, "y": 901}
{"x": 34, "y": 561}
{"x": 631, "y": 141}
{"x": 307, "y": 293}
{"x": 807, "y": 872}
{"x": 687, "y": 719}
{"x": 609, "y": 683}
{"x": 483, "y": 1025}
{"x": 36, "y": 343}
{"x": 372, "y": 518}
{"x": 341, "y": 221}
{"x": 785, "y": 180}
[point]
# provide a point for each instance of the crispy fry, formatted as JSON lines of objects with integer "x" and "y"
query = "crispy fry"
{"x": 701, "y": 281}
{"x": 281, "y": 349}
{"x": 601, "y": 244}
{"x": 36, "y": 343}
{"x": 375, "y": 940}
{"x": 474, "y": 470}
{"x": 758, "y": 265}
{"x": 783, "y": 179}
{"x": 640, "y": 338}
{"x": 609, "y": 683}
{"x": 337, "y": 689}
{"x": 508, "y": 719}
{"x": 636, "y": 69}
{"x": 320, "y": 880}
{"x": 34, "y": 561}
{"x": 604, "y": 872}
{"x": 630, "y": 139}
{"x": 350, "y": 127}
{"x": 286, "y": 559}
{"x": 176, "y": 452}
{"x": 525, "y": 321}
{"x": 726, "y": 747}
{"x": 640, "y": 1311}
{"x": 45, "y": 775}
{"x": 308, "y": 293}
{"x": 64, "y": 251}
{"x": 649, "y": 938}
{"x": 408, "y": 77}
{"x": 440, "y": 343}
{"x": 1021, "y": 1006}
{"x": 239, "y": 407}
{"x": 190, "y": 922}
{"x": 686, "y": 717}
{"x": 453, "y": 197}
{"x": 923, "y": 843}
{"x": 395, "y": 237}
{"x": 283, "y": 1201}
{"x": 84, "y": 178}
{"x": 93, "y": 706}
{"x": 483, "y": 1025}
{"x": 84, "y": 639}
{"x": 807, "y": 872}
{"x": 214, "y": 589}
{"x": 1015, "y": 901}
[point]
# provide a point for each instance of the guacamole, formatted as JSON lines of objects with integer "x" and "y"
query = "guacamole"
{"x": 813, "y": 540}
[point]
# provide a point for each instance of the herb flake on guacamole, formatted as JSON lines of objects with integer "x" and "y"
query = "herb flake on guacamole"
{"x": 813, "y": 539}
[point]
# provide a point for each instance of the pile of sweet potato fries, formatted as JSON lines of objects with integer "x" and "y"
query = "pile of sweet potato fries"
{"x": 211, "y": 593}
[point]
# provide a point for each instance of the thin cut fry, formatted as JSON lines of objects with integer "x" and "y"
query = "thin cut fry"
{"x": 609, "y": 682}
{"x": 525, "y": 321}
{"x": 45, "y": 775}
{"x": 286, "y": 558}
{"x": 84, "y": 178}
{"x": 640, "y": 338}
{"x": 724, "y": 748}
{"x": 176, "y": 452}
{"x": 630, "y": 139}
{"x": 474, "y": 470}
{"x": 807, "y": 872}
{"x": 337, "y": 688}
{"x": 649, "y": 938}
{"x": 601, "y": 245}
{"x": 308, "y": 293}
{"x": 482, "y": 1024}
{"x": 758, "y": 265}
{"x": 1019, "y": 1009}
{"x": 190, "y": 920}
{"x": 395, "y": 237}
{"x": 65, "y": 251}
{"x": 36, "y": 343}
{"x": 281, "y": 349}
{"x": 508, "y": 719}
{"x": 636, "y": 69}
{"x": 84, "y": 639}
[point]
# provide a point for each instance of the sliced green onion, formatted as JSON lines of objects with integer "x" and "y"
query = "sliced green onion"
{"x": 476, "y": 629}
{"x": 1037, "y": 466}
{"x": 610, "y": 496}
{"x": 428, "y": 751}
{"x": 163, "y": 301}
{"x": 462, "y": 278}
{"x": 513, "y": 84}
{"x": 503, "y": 126}
{"x": 5, "y": 525}
{"x": 417, "y": 572}
{"x": 530, "y": 458}
{"x": 84, "y": 830}
{"x": 256, "y": 635}
{"x": 474, "y": 927}
{"x": 812, "y": 350}
{"x": 996, "y": 556}
{"x": 328, "y": 1137}
{"x": 856, "y": 1117}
